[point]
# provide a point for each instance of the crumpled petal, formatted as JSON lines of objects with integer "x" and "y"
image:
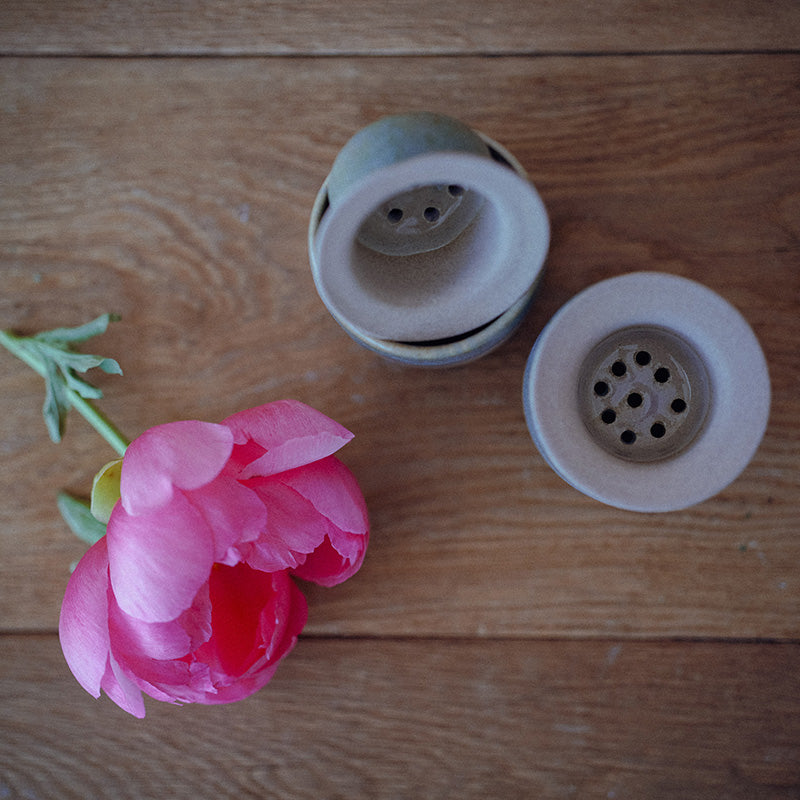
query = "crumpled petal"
{"x": 294, "y": 528}
{"x": 233, "y": 512}
{"x": 291, "y": 433}
{"x": 332, "y": 489}
{"x": 186, "y": 455}
{"x": 159, "y": 560}
{"x": 326, "y": 566}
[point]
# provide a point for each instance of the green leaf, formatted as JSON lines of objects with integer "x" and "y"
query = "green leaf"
{"x": 68, "y": 359}
{"x": 56, "y": 402}
{"x": 80, "y": 333}
{"x": 50, "y": 354}
{"x": 77, "y": 515}
{"x": 82, "y": 387}
{"x": 110, "y": 366}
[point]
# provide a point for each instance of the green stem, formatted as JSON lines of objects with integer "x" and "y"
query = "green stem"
{"x": 85, "y": 408}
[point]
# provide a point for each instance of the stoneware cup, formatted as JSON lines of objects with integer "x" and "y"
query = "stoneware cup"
{"x": 427, "y": 240}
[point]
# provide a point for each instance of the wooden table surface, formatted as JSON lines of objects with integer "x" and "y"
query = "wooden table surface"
{"x": 507, "y": 637}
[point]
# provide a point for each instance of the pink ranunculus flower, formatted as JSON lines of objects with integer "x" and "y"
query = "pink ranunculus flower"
{"x": 189, "y": 597}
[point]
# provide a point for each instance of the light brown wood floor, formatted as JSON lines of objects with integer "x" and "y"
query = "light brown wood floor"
{"x": 507, "y": 637}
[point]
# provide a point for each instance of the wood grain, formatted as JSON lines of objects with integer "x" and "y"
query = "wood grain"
{"x": 249, "y": 27}
{"x": 177, "y": 193}
{"x": 411, "y": 719}
{"x": 507, "y": 637}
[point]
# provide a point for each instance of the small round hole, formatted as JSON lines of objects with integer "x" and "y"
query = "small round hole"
{"x": 661, "y": 375}
{"x": 608, "y": 416}
{"x": 657, "y": 430}
{"x": 455, "y": 190}
{"x": 394, "y": 215}
{"x": 678, "y": 405}
{"x": 627, "y": 437}
{"x": 642, "y": 358}
{"x": 601, "y": 388}
{"x": 634, "y": 400}
{"x": 431, "y": 213}
{"x": 618, "y": 368}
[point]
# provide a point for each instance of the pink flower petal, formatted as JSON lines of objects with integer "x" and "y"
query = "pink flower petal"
{"x": 186, "y": 455}
{"x": 294, "y": 527}
{"x": 239, "y": 689}
{"x": 157, "y": 640}
{"x": 158, "y": 561}
{"x": 84, "y": 634}
{"x": 179, "y": 679}
{"x": 290, "y": 614}
{"x": 291, "y": 433}
{"x": 327, "y": 566}
{"x": 250, "y": 613}
{"x": 332, "y": 489}
{"x": 173, "y": 681}
{"x": 83, "y": 623}
{"x": 280, "y": 625}
{"x": 234, "y": 513}
{"x": 122, "y": 690}
{"x": 238, "y": 595}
